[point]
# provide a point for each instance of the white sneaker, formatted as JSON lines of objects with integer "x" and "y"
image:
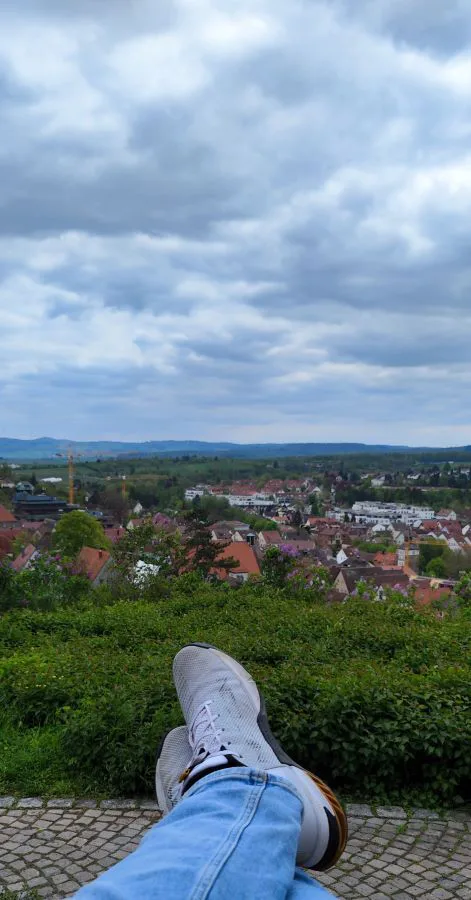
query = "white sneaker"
{"x": 228, "y": 725}
{"x": 174, "y": 758}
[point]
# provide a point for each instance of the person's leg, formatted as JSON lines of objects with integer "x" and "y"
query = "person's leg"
{"x": 234, "y": 836}
{"x": 241, "y": 813}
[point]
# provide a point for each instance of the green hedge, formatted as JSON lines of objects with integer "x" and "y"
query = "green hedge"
{"x": 374, "y": 697}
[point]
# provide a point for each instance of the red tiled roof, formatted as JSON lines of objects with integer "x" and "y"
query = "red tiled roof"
{"x": 272, "y": 537}
{"x": 386, "y": 560}
{"x": 115, "y": 534}
{"x": 90, "y": 562}
{"x": 244, "y": 555}
{"x": 23, "y": 558}
{"x": 12, "y": 533}
{"x": 5, "y": 545}
{"x": 6, "y": 515}
{"x": 424, "y": 596}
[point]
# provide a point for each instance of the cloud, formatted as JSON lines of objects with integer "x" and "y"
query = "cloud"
{"x": 246, "y": 224}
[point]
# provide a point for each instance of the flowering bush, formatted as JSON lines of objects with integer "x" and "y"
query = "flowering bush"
{"x": 278, "y": 564}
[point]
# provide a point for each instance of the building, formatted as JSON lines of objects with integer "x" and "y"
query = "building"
{"x": 247, "y": 563}
{"x": 378, "y": 481}
{"x": 94, "y": 564}
{"x": 269, "y": 539}
{"x": 448, "y": 514}
{"x": 249, "y": 501}
{"x": 115, "y": 533}
{"x": 378, "y": 513}
{"x": 246, "y": 497}
{"x": 347, "y": 580}
{"x": 24, "y": 487}
{"x": 386, "y": 560}
{"x": 35, "y": 507}
{"x": 25, "y": 559}
{"x": 7, "y": 519}
{"x": 200, "y": 490}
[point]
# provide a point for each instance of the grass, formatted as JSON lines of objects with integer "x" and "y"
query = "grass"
{"x": 26, "y": 894}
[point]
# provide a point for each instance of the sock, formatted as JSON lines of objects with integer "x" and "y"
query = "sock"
{"x": 212, "y": 764}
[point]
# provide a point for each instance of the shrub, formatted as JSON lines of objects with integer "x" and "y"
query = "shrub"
{"x": 375, "y": 697}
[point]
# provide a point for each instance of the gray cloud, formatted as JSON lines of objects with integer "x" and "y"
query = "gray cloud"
{"x": 246, "y": 225}
{"x": 427, "y": 24}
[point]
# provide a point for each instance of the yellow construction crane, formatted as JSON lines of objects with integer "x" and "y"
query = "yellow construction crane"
{"x": 70, "y": 462}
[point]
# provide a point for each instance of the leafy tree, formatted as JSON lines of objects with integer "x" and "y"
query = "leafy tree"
{"x": 456, "y": 563}
{"x": 278, "y": 564}
{"x": 297, "y": 520}
{"x": 258, "y": 523}
{"x": 427, "y": 553}
{"x": 20, "y": 543}
{"x": 47, "y": 584}
{"x": 436, "y": 568}
{"x": 203, "y": 554}
{"x": 463, "y": 591}
{"x": 78, "y": 529}
{"x": 155, "y": 546}
{"x": 9, "y": 595}
{"x": 315, "y": 505}
{"x": 116, "y": 504}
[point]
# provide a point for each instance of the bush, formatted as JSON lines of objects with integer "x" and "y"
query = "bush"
{"x": 375, "y": 697}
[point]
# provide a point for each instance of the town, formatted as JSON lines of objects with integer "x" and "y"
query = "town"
{"x": 365, "y": 546}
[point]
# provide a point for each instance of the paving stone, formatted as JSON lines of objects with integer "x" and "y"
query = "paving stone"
{"x": 118, "y": 804}
{"x": 64, "y": 803}
{"x": 6, "y": 802}
{"x": 391, "y": 812}
{"x": 69, "y": 843}
{"x": 30, "y": 803}
{"x": 424, "y": 814}
{"x": 358, "y": 809}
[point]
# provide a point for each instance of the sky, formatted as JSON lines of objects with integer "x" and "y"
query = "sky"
{"x": 243, "y": 222}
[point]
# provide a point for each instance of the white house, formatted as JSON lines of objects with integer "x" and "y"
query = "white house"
{"x": 448, "y": 514}
{"x": 199, "y": 491}
{"x": 376, "y": 512}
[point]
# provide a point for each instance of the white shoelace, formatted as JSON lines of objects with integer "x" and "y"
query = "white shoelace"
{"x": 204, "y": 736}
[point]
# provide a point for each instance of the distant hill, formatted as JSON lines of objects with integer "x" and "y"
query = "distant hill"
{"x": 46, "y": 448}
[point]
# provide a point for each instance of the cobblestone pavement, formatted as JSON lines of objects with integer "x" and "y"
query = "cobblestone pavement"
{"x": 55, "y": 847}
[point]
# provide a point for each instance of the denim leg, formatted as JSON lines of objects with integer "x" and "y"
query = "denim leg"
{"x": 305, "y": 888}
{"x": 234, "y": 836}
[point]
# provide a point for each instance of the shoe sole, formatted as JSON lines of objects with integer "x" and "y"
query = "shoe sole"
{"x": 159, "y": 789}
{"x": 338, "y": 822}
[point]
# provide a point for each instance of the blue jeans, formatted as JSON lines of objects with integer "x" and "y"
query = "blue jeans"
{"x": 234, "y": 836}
